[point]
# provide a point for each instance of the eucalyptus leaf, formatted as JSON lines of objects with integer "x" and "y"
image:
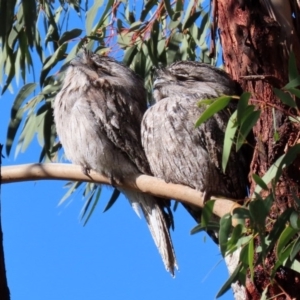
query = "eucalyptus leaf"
{"x": 225, "y": 229}
{"x": 219, "y": 104}
{"x": 233, "y": 278}
{"x": 293, "y": 72}
{"x": 242, "y": 106}
{"x": 115, "y": 195}
{"x": 228, "y": 140}
{"x": 285, "y": 97}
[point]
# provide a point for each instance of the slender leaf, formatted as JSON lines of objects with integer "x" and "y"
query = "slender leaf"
{"x": 57, "y": 56}
{"x": 246, "y": 127}
{"x": 260, "y": 182}
{"x": 293, "y": 83}
{"x": 284, "y": 239}
{"x": 285, "y": 97}
{"x": 69, "y": 35}
{"x": 219, "y": 104}
{"x": 225, "y": 229}
{"x": 251, "y": 258}
{"x": 242, "y": 106}
{"x": 70, "y": 191}
{"x": 228, "y": 140}
{"x": 207, "y": 212}
{"x": 91, "y": 15}
{"x": 112, "y": 200}
{"x": 233, "y": 278}
{"x": 96, "y": 200}
{"x": 169, "y": 8}
{"x": 295, "y": 249}
{"x": 295, "y": 92}
{"x": 293, "y": 72}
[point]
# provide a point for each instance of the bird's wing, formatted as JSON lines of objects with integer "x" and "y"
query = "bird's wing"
{"x": 121, "y": 121}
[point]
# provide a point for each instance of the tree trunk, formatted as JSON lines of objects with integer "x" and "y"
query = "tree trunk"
{"x": 4, "y": 290}
{"x": 256, "y": 51}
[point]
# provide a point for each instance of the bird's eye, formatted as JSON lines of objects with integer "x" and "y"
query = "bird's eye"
{"x": 182, "y": 77}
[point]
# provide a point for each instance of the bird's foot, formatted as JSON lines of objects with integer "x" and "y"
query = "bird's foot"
{"x": 86, "y": 171}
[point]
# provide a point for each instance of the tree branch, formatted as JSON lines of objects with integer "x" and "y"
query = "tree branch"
{"x": 143, "y": 183}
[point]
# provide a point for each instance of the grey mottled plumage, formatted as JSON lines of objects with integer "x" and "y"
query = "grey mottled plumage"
{"x": 98, "y": 115}
{"x": 177, "y": 151}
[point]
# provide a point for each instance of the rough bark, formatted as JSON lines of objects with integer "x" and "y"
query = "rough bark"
{"x": 256, "y": 56}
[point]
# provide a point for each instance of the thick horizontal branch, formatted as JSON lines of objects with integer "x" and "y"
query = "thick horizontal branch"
{"x": 144, "y": 183}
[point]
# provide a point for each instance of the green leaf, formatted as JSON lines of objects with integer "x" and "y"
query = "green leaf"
{"x": 129, "y": 55}
{"x": 247, "y": 112}
{"x": 91, "y": 15}
{"x": 295, "y": 265}
{"x": 10, "y": 70}
{"x": 169, "y": 8}
{"x": 258, "y": 213}
{"x": 285, "y": 98}
{"x": 246, "y": 127}
{"x": 294, "y": 220}
{"x": 264, "y": 293}
{"x": 293, "y": 72}
{"x": 29, "y": 14}
{"x": 270, "y": 174}
{"x": 295, "y": 249}
{"x": 191, "y": 20}
{"x": 71, "y": 190}
{"x": 279, "y": 226}
{"x": 7, "y": 13}
{"x": 251, "y": 258}
{"x": 288, "y": 158}
{"x": 242, "y": 106}
{"x": 219, "y": 104}
{"x": 235, "y": 236}
{"x": 282, "y": 260}
{"x": 17, "y": 114}
{"x": 112, "y": 200}
{"x": 293, "y": 83}
{"x": 296, "y": 199}
{"x": 96, "y": 200}
{"x": 27, "y": 134}
{"x": 228, "y": 140}
{"x": 233, "y": 278}
{"x": 207, "y": 212}
{"x": 13, "y": 127}
{"x": 58, "y": 55}
{"x": 135, "y": 26}
{"x": 25, "y": 91}
{"x": 260, "y": 182}
{"x": 49, "y": 132}
{"x": 225, "y": 229}
{"x": 213, "y": 226}
{"x": 148, "y": 5}
{"x": 284, "y": 239}
{"x": 187, "y": 12}
{"x": 295, "y": 92}
{"x": 240, "y": 214}
{"x": 69, "y": 35}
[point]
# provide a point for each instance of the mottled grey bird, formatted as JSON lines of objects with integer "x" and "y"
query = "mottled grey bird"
{"x": 98, "y": 115}
{"x": 180, "y": 153}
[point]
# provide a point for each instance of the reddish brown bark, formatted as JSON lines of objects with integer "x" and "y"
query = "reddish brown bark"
{"x": 254, "y": 56}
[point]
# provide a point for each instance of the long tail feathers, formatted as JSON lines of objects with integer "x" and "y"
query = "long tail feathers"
{"x": 158, "y": 226}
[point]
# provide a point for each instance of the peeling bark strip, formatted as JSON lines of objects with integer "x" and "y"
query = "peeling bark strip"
{"x": 254, "y": 46}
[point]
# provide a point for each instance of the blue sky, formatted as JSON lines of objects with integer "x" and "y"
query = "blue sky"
{"x": 50, "y": 255}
